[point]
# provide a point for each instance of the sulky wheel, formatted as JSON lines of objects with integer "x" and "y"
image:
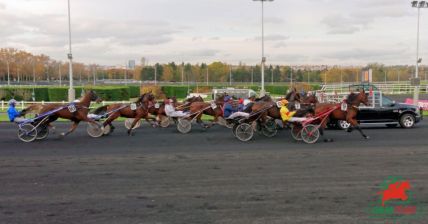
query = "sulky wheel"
{"x": 310, "y": 134}
{"x": 234, "y": 129}
{"x": 269, "y": 129}
{"x": 165, "y": 122}
{"x": 128, "y": 123}
{"x": 95, "y": 131}
{"x": 223, "y": 122}
{"x": 107, "y": 130}
{"x": 184, "y": 126}
{"x": 296, "y": 132}
{"x": 27, "y": 133}
{"x": 42, "y": 132}
{"x": 244, "y": 132}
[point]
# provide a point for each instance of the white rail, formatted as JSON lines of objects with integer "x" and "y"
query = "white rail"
{"x": 24, "y": 104}
{"x": 386, "y": 88}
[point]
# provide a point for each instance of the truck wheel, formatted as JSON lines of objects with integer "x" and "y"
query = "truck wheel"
{"x": 407, "y": 121}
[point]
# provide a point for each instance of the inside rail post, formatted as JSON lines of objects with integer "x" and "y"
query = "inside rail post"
{"x": 2, "y": 104}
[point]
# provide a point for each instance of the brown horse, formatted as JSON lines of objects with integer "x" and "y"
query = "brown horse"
{"x": 199, "y": 108}
{"x": 160, "y": 113}
{"x": 307, "y": 103}
{"x": 75, "y": 112}
{"x": 141, "y": 110}
{"x": 352, "y": 102}
{"x": 270, "y": 108}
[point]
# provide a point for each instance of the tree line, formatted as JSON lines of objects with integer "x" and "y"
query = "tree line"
{"x": 25, "y": 66}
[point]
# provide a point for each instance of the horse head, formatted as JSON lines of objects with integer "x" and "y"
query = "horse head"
{"x": 356, "y": 99}
{"x": 293, "y": 96}
{"x": 220, "y": 99}
{"x": 310, "y": 99}
{"x": 265, "y": 98}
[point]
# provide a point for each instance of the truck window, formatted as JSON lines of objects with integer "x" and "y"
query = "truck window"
{"x": 386, "y": 101}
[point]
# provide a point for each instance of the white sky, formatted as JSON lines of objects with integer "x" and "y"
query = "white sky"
{"x": 109, "y": 32}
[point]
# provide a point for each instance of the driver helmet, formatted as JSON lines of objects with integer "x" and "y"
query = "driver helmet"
{"x": 284, "y": 102}
{"x": 12, "y": 102}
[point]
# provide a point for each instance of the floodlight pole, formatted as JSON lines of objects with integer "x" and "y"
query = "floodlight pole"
{"x": 416, "y": 91}
{"x": 71, "y": 92}
{"x": 8, "y": 72}
{"x": 419, "y": 5}
{"x": 207, "y": 76}
{"x": 262, "y": 91}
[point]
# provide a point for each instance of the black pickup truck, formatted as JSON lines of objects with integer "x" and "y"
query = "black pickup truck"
{"x": 385, "y": 111}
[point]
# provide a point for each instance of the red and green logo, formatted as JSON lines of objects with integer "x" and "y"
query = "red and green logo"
{"x": 396, "y": 201}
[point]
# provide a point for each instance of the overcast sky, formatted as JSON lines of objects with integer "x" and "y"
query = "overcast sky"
{"x": 109, "y": 32}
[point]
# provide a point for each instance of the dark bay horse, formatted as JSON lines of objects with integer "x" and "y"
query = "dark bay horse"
{"x": 79, "y": 114}
{"x": 199, "y": 108}
{"x": 159, "y": 110}
{"x": 141, "y": 110}
{"x": 352, "y": 102}
{"x": 268, "y": 105}
{"x": 307, "y": 103}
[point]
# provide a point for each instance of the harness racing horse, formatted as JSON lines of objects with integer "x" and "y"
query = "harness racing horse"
{"x": 307, "y": 103}
{"x": 76, "y": 111}
{"x": 187, "y": 102}
{"x": 349, "y": 113}
{"x": 199, "y": 108}
{"x": 136, "y": 110}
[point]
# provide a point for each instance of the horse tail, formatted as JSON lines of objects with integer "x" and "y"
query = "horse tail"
{"x": 35, "y": 108}
{"x": 101, "y": 110}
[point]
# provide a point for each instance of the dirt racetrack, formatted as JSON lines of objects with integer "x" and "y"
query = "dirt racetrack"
{"x": 161, "y": 176}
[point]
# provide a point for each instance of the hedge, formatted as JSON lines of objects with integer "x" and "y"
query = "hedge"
{"x": 24, "y": 93}
{"x": 134, "y": 91}
{"x": 277, "y": 90}
{"x": 178, "y": 91}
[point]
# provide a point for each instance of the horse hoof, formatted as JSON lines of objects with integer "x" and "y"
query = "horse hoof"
{"x": 367, "y": 137}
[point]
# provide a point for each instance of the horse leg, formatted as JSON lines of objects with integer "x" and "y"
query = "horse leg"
{"x": 52, "y": 127}
{"x": 110, "y": 119}
{"x": 354, "y": 123}
{"x": 73, "y": 127}
{"x": 201, "y": 122}
{"x": 151, "y": 121}
{"x": 133, "y": 125}
{"x": 323, "y": 125}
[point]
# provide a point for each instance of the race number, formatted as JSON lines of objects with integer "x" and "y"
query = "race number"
{"x": 133, "y": 106}
{"x": 72, "y": 108}
{"x": 213, "y": 105}
{"x": 157, "y": 105}
{"x": 344, "y": 106}
{"x": 297, "y": 105}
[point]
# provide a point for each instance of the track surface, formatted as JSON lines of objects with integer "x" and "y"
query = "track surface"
{"x": 161, "y": 176}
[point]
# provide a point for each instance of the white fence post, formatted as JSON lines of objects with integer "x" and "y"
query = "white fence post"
{"x": 22, "y": 105}
{"x": 2, "y": 104}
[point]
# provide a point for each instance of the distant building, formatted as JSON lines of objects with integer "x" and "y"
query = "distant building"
{"x": 143, "y": 61}
{"x": 131, "y": 64}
